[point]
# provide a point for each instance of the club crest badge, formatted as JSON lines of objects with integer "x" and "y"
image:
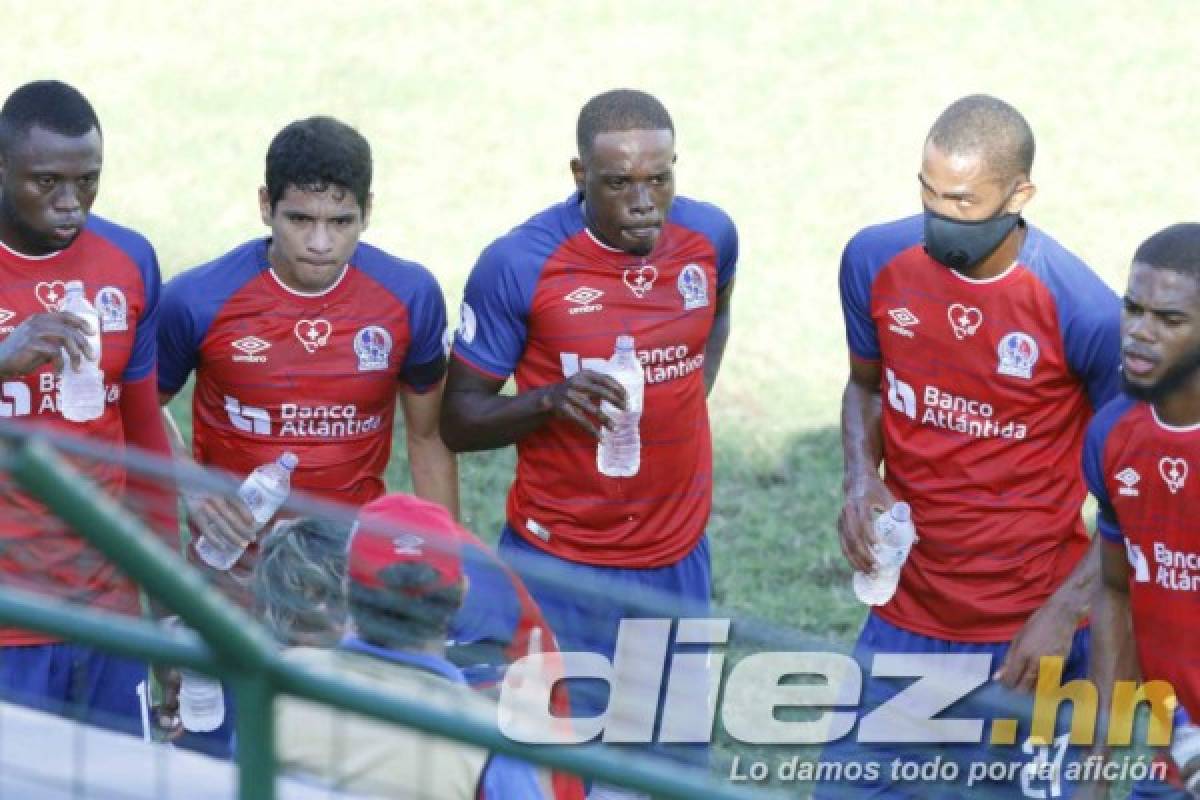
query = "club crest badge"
{"x": 693, "y": 287}
{"x": 1018, "y": 353}
{"x": 373, "y": 346}
{"x": 113, "y": 310}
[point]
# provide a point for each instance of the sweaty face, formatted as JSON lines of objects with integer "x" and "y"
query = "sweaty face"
{"x": 962, "y": 187}
{"x": 47, "y": 188}
{"x": 628, "y": 184}
{"x": 1160, "y": 332}
{"x": 313, "y": 234}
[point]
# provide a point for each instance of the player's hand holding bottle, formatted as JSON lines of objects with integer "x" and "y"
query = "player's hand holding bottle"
{"x": 866, "y": 498}
{"x": 579, "y": 399}
{"x": 225, "y": 522}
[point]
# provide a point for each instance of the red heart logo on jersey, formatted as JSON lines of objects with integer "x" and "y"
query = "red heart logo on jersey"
{"x": 964, "y": 320}
{"x": 313, "y": 333}
{"x": 51, "y": 294}
{"x": 1174, "y": 472}
{"x": 640, "y": 280}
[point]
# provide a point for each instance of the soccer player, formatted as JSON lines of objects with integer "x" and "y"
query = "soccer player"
{"x": 546, "y": 302}
{"x": 1140, "y": 458}
{"x": 51, "y": 154}
{"x": 405, "y": 582}
{"x": 302, "y": 340}
{"x": 978, "y": 348}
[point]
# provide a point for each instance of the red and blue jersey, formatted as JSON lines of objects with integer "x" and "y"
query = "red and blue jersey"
{"x": 987, "y": 387}
{"x": 315, "y": 374}
{"x": 1145, "y": 476}
{"x": 120, "y": 276}
{"x": 549, "y": 299}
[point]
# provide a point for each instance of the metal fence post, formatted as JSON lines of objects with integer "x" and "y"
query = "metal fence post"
{"x": 255, "y": 698}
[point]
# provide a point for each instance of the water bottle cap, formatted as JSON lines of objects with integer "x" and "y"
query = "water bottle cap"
{"x": 288, "y": 461}
{"x": 624, "y": 342}
{"x": 901, "y": 512}
{"x": 74, "y": 286}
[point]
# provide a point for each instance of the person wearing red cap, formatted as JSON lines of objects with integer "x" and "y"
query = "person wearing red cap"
{"x": 405, "y": 581}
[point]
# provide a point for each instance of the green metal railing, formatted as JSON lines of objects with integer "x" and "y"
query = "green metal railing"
{"x": 229, "y": 645}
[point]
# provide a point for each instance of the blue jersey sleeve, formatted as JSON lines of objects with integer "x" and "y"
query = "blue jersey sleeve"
{"x": 425, "y": 363}
{"x": 414, "y": 286}
{"x": 1093, "y": 466}
{"x": 491, "y": 609}
{"x": 143, "y": 356}
{"x": 178, "y": 338}
{"x": 854, "y": 283}
{"x": 145, "y": 338}
{"x": 1089, "y": 316}
{"x": 495, "y": 310}
{"x": 505, "y": 777}
{"x": 191, "y": 301}
{"x": 717, "y": 226}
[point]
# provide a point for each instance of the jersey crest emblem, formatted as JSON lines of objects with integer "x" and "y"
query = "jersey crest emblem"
{"x": 313, "y": 333}
{"x": 693, "y": 286}
{"x": 1018, "y": 353}
{"x": 113, "y": 310}
{"x": 640, "y": 280}
{"x": 373, "y": 346}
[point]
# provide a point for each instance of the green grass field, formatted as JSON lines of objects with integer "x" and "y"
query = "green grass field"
{"x": 804, "y": 120}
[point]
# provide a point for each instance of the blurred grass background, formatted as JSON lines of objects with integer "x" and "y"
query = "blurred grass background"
{"x": 804, "y": 120}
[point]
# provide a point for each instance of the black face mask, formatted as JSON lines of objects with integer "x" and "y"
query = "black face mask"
{"x": 961, "y": 245}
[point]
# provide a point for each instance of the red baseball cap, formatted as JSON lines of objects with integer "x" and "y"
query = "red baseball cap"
{"x": 402, "y": 529}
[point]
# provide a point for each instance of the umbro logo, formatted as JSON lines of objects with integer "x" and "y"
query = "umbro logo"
{"x": 251, "y": 347}
{"x": 902, "y": 320}
{"x": 583, "y": 299}
{"x": 408, "y": 544}
{"x": 1129, "y": 478}
{"x": 5, "y": 316}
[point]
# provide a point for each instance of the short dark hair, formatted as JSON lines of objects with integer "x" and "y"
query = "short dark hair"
{"x": 1176, "y": 248}
{"x": 987, "y": 126}
{"x": 620, "y": 110}
{"x": 397, "y": 617}
{"x": 316, "y": 153}
{"x": 52, "y": 105}
{"x": 299, "y": 579}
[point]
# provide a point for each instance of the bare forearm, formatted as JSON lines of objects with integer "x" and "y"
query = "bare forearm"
{"x": 475, "y": 421}
{"x": 1078, "y": 591}
{"x": 1112, "y": 653}
{"x": 434, "y": 471}
{"x": 714, "y": 350}
{"x": 862, "y": 432}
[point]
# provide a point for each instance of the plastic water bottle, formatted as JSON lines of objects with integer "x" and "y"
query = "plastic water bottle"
{"x": 1185, "y": 751}
{"x": 81, "y": 391}
{"x": 895, "y": 535}
{"x": 263, "y": 492}
{"x": 619, "y": 453}
{"x": 201, "y": 702}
